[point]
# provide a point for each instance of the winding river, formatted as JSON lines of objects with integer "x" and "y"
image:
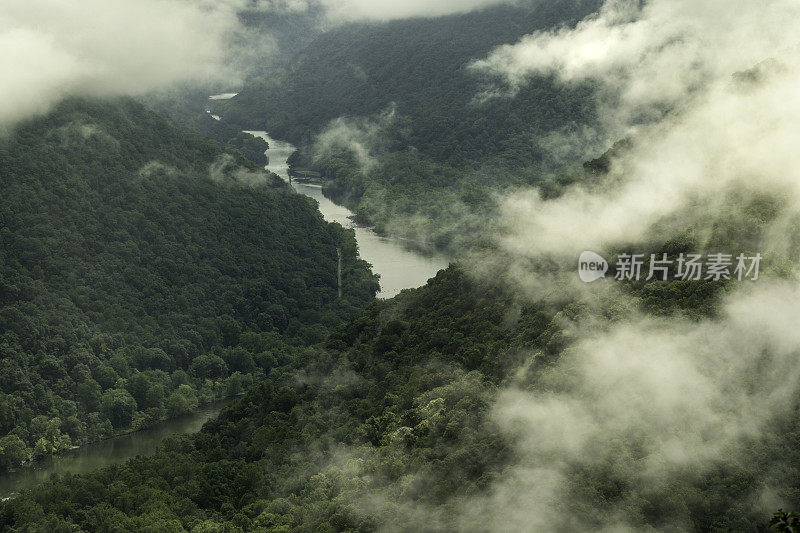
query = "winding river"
{"x": 399, "y": 266}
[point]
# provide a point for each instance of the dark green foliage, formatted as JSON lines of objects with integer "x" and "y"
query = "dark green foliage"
{"x": 439, "y": 149}
{"x": 253, "y": 148}
{"x": 133, "y": 267}
{"x": 785, "y": 522}
{"x": 407, "y": 385}
{"x": 394, "y": 406}
{"x": 190, "y": 110}
{"x": 419, "y": 65}
{"x": 118, "y": 406}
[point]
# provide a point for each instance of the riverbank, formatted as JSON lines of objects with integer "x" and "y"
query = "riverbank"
{"x": 398, "y": 263}
{"x": 106, "y": 452}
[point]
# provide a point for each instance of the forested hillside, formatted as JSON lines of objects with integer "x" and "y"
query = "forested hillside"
{"x": 137, "y": 261}
{"x": 420, "y": 65}
{"x": 420, "y": 138}
{"x": 392, "y": 423}
{"x": 613, "y": 346}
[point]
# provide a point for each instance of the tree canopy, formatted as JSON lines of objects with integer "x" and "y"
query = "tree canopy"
{"x": 136, "y": 261}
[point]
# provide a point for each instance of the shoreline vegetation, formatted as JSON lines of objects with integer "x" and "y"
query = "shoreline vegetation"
{"x": 360, "y": 220}
{"x": 33, "y": 462}
{"x": 603, "y": 335}
{"x": 170, "y": 272}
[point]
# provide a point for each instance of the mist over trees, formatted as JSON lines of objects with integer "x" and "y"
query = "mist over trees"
{"x": 393, "y": 418}
{"x": 147, "y": 269}
{"x": 412, "y": 138}
{"x": 131, "y": 276}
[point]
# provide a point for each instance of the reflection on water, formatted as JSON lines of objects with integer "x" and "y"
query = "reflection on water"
{"x": 107, "y": 452}
{"x": 399, "y": 267}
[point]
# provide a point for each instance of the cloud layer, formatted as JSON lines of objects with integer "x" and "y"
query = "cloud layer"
{"x": 654, "y": 407}
{"x": 55, "y": 48}
{"x": 709, "y": 93}
{"x": 654, "y": 52}
{"x": 719, "y": 81}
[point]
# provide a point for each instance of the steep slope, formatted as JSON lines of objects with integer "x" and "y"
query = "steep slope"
{"x": 258, "y": 465}
{"x": 268, "y": 36}
{"x": 420, "y": 65}
{"x": 404, "y": 132}
{"x": 136, "y": 258}
{"x": 393, "y": 423}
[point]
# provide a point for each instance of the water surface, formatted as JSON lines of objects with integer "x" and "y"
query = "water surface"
{"x": 107, "y": 452}
{"x": 399, "y": 266}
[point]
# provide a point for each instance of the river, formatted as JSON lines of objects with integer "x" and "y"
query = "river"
{"x": 399, "y": 266}
{"x": 106, "y": 452}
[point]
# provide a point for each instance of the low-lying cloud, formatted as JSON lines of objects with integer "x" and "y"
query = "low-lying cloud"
{"x": 342, "y": 11}
{"x": 651, "y": 409}
{"x": 725, "y": 77}
{"x": 653, "y": 53}
{"x": 645, "y": 411}
{"x": 361, "y": 137}
{"x": 52, "y": 48}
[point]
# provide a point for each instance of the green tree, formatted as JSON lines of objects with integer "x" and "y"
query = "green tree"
{"x": 182, "y": 401}
{"x": 118, "y": 406}
{"x": 209, "y": 366}
{"x": 13, "y": 451}
{"x": 89, "y": 394}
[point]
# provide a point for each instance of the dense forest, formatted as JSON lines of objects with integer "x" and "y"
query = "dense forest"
{"x": 150, "y": 265}
{"x": 390, "y": 423}
{"x": 191, "y": 111}
{"x": 137, "y": 259}
{"x": 421, "y": 67}
{"x": 394, "y": 118}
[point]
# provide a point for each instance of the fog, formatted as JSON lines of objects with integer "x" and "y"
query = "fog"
{"x": 661, "y": 412}
{"x": 732, "y": 129}
{"x": 361, "y": 137}
{"x": 709, "y": 94}
{"x": 52, "y": 49}
{"x": 342, "y": 11}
